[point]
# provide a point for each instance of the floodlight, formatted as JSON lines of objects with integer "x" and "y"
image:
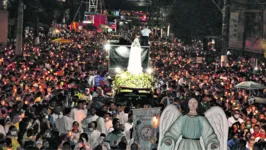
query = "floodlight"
{"x": 149, "y": 70}
{"x": 117, "y": 69}
{"x": 107, "y": 46}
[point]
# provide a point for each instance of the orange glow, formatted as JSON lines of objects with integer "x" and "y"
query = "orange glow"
{"x": 69, "y": 133}
{"x": 155, "y": 122}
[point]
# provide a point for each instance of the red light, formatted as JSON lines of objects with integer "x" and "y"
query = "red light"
{"x": 144, "y": 18}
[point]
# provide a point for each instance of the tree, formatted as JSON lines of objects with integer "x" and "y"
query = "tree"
{"x": 194, "y": 19}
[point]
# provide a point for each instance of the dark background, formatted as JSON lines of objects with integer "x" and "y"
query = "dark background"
{"x": 116, "y": 60}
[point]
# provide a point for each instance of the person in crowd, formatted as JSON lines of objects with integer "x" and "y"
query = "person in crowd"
{"x": 115, "y": 136}
{"x": 86, "y": 96}
{"x": 101, "y": 122}
{"x": 235, "y": 118}
{"x": 121, "y": 115}
{"x": 108, "y": 122}
{"x": 234, "y": 142}
{"x": 90, "y": 118}
{"x": 128, "y": 127}
{"x": 64, "y": 122}
{"x": 93, "y": 133}
{"x": 79, "y": 113}
{"x": 145, "y": 33}
{"x": 75, "y": 133}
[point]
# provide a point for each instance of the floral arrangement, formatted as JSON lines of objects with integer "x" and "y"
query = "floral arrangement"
{"x": 126, "y": 79}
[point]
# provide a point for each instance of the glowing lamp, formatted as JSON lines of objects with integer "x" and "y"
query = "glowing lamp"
{"x": 107, "y": 46}
{"x": 117, "y": 69}
{"x": 149, "y": 70}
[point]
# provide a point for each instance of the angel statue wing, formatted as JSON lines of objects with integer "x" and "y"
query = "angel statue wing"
{"x": 168, "y": 117}
{"x": 218, "y": 121}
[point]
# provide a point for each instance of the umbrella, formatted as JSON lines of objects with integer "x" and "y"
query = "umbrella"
{"x": 249, "y": 85}
{"x": 61, "y": 41}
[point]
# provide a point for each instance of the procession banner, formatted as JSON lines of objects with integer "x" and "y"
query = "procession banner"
{"x": 3, "y": 26}
{"x": 264, "y": 26}
{"x": 146, "y": 123}
{"x": 119, "y": 56}
{"x": 254, "y": 31}
{"x": 236, "y": 30}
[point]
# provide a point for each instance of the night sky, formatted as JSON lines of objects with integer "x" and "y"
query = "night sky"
{"x": 124, "y": 5}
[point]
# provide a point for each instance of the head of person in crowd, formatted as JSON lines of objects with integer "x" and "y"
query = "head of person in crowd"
{"x": 92, "y": 126}
{"x": 116, "y": 124}
{"x": 75, "y": 126}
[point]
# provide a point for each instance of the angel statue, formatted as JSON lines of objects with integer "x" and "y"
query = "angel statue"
{"x": 134, "y": 63}
{"x": 194, "y": 130}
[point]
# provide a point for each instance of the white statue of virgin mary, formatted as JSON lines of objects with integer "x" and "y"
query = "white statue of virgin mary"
{"x": 134, "y": 63}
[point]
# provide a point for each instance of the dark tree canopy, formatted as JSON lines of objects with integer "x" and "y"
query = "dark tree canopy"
{"x": 194, "y": 18}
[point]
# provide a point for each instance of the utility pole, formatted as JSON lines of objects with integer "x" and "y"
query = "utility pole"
{"x": 36, "y": 34}
{"x": 225, "y": 23}
{"x": 225, "y": 27}
{"x": 19, "y": 36}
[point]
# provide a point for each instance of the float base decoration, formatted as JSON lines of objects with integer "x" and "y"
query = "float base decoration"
{"x": 146, "y": 123}
{"x": 126, "y": 79}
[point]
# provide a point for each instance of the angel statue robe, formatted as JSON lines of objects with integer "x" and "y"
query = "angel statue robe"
{"x": 189, "y": 129}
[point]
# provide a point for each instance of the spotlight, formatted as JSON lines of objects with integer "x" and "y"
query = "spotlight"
{"x": 117, "y": 69}
{"x": 107, "y": 46}
{"x": 149, "y": 70}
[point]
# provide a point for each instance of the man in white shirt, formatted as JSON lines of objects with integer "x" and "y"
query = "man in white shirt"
{"x": 91, "y": 117}
{"x": 235, "y": 118}
{"x": 93, "y": 134}
{"x": 114, "y": 137}
{"x": 108, "y": 122}
{"x": 91, "y": 78}
{"x": 79, "y": 113}
{"x": 128, "y": 127}
{"x": 64, "y": 123}
{"x": 145, "y": 33}
{"x": 101, "y": 123}
{"x": 121, "y": 115}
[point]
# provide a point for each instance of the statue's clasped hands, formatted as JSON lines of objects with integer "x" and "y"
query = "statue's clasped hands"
{"x": 214, "y": 146}
{"x": 168, "y": 142}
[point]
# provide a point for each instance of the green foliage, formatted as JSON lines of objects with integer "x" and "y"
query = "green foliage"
{"x": 126, "y": 79}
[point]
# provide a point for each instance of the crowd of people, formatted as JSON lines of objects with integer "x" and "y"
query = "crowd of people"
{"x": 57, "y": 95}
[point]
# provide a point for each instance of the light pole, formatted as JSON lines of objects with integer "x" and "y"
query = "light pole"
{"x": 19, "y": 36}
